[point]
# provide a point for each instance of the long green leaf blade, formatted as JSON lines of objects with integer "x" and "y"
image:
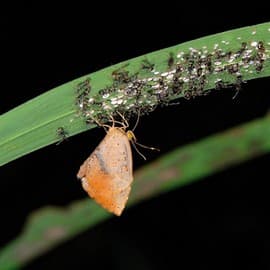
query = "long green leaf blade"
{"x": 34, "y": 124}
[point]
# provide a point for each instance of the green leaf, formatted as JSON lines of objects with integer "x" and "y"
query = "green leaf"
{"x": 236, "y": 55}
{"x": 51, "y": 226}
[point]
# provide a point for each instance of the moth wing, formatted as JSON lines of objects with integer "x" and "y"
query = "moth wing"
{"x": 107, "y": 174}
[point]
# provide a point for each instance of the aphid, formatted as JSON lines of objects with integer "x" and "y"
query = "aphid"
{"x": 187, "y": 95}
{"x": 62, "y": 134}
{"x": 191, "y": 65}
{"x": 238, "y": 85}
{"x": 84, "y": 83}
{"x": 177, "y": 86}
{"x": 200, "y": 89}
{"x": 106, "y": 91}
{"x": 161, "y": 82}
{"x": 146, "y": 65}
{"x": 241, "y": 50}
{"x": 170, "y": 60}
{"x": 261, "y": 47}
{"x": 218, "y": 54}
{"x": 121, "y": 76}
{"x": 229, "y": 55}
{"x": 259, "y": 66}
{"x": 179, "y": 69}
{"x": 219, "y": 85}
{"x": 233, "y": 68}
{"x": 107, "y": 174}
{"x": 162, "y": 96}
{"x": 208, "y": 62}
{"x": 199, "y": 71}
{"x": 260, "y": 56}
{"x": 135, "y": 89}
{"x": 83, "y": 89}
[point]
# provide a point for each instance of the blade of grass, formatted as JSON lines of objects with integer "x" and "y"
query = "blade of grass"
{"x": 50, "y": 226}
{"x": 34, "y": 124}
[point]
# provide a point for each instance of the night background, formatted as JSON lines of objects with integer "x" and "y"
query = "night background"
{"x": 221, "y": 222}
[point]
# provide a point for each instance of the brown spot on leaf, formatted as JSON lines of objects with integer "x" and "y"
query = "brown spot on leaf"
{"x": 144, "y": 189}
{"x": 55, "y": 233}
{"x": 256, "y": 147}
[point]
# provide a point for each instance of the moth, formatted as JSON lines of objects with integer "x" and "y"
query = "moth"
{"x": 107, "y": 174}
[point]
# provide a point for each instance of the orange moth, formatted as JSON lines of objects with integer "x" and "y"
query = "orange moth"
{"x": 107, "y": 174}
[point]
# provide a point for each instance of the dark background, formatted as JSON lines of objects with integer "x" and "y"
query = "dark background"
{"x": 218, "y": 223}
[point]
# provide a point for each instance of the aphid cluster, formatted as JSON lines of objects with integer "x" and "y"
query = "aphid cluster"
{"x": 248, "y": 59}
{"x": 106, "y": 174}
{"x": 187, "y": 75}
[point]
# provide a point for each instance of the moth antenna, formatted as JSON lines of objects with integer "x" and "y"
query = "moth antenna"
{"x": 133, "y": 140}
{"x": 137, "y": 150}
{"x": 147, "y": 147}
